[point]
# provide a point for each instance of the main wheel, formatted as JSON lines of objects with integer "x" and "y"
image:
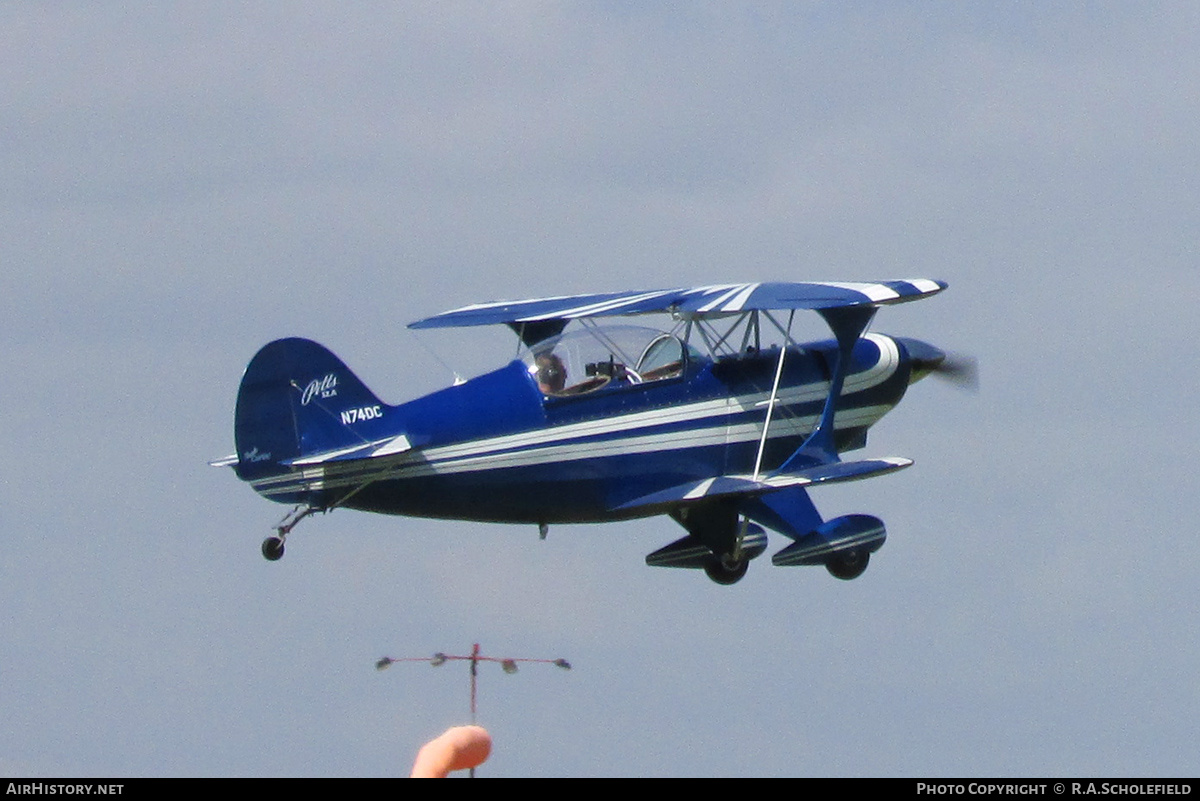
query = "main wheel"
{"x": 848, "y": 564}
{"x": 272, "y": 549}
{"x": 724, "y": 570}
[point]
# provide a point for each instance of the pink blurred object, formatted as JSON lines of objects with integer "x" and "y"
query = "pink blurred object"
{"x": 460, "y": 748}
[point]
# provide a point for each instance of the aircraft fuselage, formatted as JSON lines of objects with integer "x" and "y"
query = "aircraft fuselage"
{"x": 499, "y": 448}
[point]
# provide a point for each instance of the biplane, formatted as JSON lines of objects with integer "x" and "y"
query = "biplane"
{"x": 717, "y": 419}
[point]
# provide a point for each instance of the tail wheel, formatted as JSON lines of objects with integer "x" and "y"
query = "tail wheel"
{"x": 848, "y": 564}
{"x": 272, "y": 549}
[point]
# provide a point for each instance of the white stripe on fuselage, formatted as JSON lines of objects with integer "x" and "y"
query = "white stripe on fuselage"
{"x": 348, "y": 474}
{"x": 699, "y": 410}
{"x": 594, "y": 309}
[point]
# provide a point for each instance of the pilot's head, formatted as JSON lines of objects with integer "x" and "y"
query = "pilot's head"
{"x": 551, "y": 374}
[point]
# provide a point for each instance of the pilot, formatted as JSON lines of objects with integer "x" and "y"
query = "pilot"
{"x": 551, "y": 374}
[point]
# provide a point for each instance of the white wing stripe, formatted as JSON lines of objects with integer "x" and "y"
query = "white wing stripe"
{"x": 712, "y": 304}
{"x": 594, "y": 309}
{"x": 739, "y": 301}
{"x": 877, "y": 293}
{"x": 924, "y": 285}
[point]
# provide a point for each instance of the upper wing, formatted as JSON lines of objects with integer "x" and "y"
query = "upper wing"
{"x": 698, "y": 301}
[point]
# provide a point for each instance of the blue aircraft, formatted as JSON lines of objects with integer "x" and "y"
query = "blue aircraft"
{"x": 600, "y": 420}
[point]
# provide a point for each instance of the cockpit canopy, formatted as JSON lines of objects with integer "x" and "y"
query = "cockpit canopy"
{"x": 597, "y": 357}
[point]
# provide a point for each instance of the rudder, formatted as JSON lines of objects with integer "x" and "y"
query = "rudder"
{"x": 297, "y": 398}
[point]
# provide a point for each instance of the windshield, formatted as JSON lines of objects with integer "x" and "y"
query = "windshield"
{"x": 596, "y": 357}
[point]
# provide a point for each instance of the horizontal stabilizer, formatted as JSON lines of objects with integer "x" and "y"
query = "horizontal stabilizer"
{"x": 227, "y": 461}
{"x": 862, "y": 532}
{"x": 728, "y": 486}
{"x": 690, "y": 552}
{"x": 369, "y": 450}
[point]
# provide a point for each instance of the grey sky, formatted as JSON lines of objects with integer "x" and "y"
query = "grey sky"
{"x": 183, "y": 183}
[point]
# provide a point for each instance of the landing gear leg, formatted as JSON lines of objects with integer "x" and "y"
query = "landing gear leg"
{"x": 272, "y": 547}
{"x": 729, "y": 568}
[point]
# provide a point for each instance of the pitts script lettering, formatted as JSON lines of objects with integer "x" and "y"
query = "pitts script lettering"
{"x": 253, "y": 455}
{"x": 319, "y": 388}
{"x": 361, "y": 413}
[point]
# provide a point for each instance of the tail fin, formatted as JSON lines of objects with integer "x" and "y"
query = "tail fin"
{"x": 296, "y": 399}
